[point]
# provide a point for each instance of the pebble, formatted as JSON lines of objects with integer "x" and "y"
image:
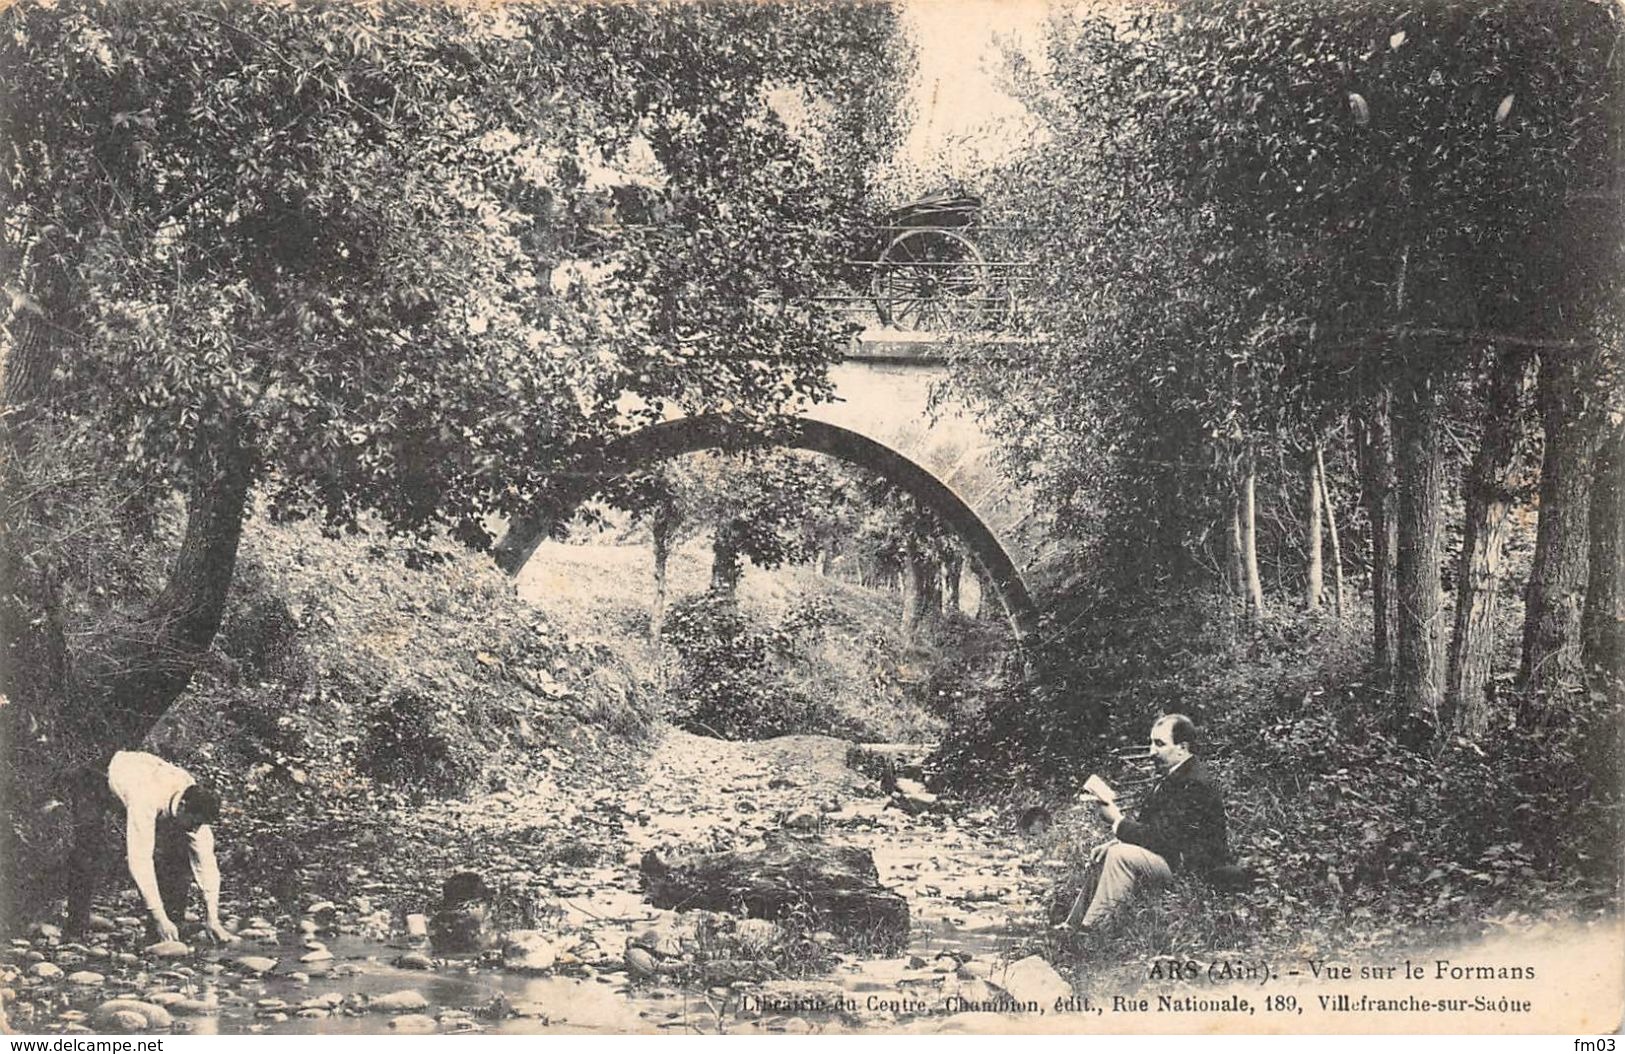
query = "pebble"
{"x": 86, "y": 977}
{"x": 255, "y": 964}
{"x": 414, "y": 961}
{"x": 315, "y": 1012}
{"x": 45, "y": 931}
{"x": 168, "y": 949}
{"x": 417, "y": 925}
{"x": 640, "y": 962}
{"x": 151, "y": 1015}
{"x": 413, "y": 1023}
{"x": 396, "y": 1002}
{"x": 320, "y": 955}
{"x": 46, "y": 971}
{"x": 123, "y": 1021}
{"x": 196, "y": 1006}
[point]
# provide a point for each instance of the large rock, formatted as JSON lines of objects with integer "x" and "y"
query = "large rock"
{"x": 1032, "y": 979}
{"x": 110, "y": 1016}
{"x": 527, "y": 951}
{"x": 804, "y": 878}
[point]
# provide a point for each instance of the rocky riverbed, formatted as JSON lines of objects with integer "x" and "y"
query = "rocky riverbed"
{"x": 585, "y": 951}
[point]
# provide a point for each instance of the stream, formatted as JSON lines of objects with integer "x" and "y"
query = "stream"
{"x": 972, "y": 889}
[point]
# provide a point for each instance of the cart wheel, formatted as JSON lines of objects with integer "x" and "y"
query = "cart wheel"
{"x": 929, "y": 280}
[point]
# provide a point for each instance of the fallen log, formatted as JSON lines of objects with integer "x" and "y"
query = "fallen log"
{"x": 808, "y": 880}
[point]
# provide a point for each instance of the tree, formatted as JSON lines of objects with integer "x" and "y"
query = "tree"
{"x": 1346, "y": 206}
{"x": 346, "y": 258}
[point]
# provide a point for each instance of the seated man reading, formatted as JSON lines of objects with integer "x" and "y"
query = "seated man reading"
{"x": 1179, "y": 828}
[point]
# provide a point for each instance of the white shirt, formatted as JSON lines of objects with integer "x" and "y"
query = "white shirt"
{"x": 151, "y": 787}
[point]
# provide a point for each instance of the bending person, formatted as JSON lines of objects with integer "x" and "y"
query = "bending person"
{"x": 167, "y": 840}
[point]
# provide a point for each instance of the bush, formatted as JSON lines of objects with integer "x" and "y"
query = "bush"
{"x": 412, "y": 745}
{"x": 731, "y": 681}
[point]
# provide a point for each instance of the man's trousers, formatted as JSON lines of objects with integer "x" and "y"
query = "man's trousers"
{"x": 1126, "y": 870}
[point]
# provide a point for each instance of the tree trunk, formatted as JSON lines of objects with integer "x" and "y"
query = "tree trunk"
{"x": 663, "y": 530}
{"x": 1554, "y": 600}
{"x": 1605, "y": 594}
{"x": 1419, "y": 674}
{"x": 1338, "y": 596}
{"x": 929, "y": 578}
{"x": 726, "y": 568}
{"x": 137, "y": 683}
{"x": 1376, "y": 455}
{"x": 1237, "y": 562}
{"x": 1489, "y": 492}
{"x": 911, "y": 590}
{"x": 1249, "y": 542}
{"x": 1315, "y": 585}
{"x": 953, "y": 568}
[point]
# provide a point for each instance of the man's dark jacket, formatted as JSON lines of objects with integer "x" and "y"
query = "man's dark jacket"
{"x": 1182, "y": 821}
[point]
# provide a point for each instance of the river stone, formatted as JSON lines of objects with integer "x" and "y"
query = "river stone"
{"x": 196, "y": 1007}
{"x": 413, "y": 1023}
{"x": 529, "y": 952}
{"x": 788, "y": 878}
{"x": 319, "y": 955}
{"x": 314, "y": 1012}
{"x": 414, "y": 961}
{"x": 756, "y": 933}
{"x": 168, "y": 949}
{"x": 45, "y": 931}
{"x": 122, "y": 1021}
{"x": 164, "y": 998}
{"x": 100, "y": 924}
{"x": 152, "y": 1015}
{"x": 417, "y": 925}
{"x": 640, "y": 962}
{"x": 86, "y": 977}
{"x": 1033, "y": 979}
{"x": 399, "y": 1002}
{"x": 255, "y": 964}
{"x": 46, "y": 971}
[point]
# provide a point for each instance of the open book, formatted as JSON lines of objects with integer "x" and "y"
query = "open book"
{"x": 1100, "y": 789}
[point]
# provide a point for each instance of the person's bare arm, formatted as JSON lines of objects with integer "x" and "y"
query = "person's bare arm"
{"x": 138, "y": 845}
{"x": 207, "y": 872}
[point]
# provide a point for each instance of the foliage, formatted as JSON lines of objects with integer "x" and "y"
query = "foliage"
{"x": 360, "y": 257}
{"x": 1242, "y": 209}
{"x": 410, "y": 742}
{"x": 732, "y": 681}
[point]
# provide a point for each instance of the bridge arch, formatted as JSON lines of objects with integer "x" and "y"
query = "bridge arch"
{"x": 689, "y": 435}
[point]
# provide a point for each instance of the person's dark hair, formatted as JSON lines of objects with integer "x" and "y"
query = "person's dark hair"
{"x": 1181, "y": 730}
{"x": 201, "y": 803}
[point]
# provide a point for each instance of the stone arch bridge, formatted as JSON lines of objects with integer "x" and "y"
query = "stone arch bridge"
{"x": 884, "y": 418}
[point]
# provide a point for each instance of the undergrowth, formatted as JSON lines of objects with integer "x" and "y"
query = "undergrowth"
{"x": 1356, "y": 820}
